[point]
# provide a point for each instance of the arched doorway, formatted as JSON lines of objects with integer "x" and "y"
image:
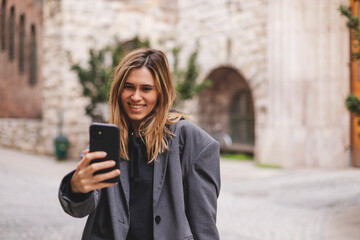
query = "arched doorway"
{"x": 226, "y": 110}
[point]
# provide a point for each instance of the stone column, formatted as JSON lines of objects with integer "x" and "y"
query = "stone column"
{"x": 308, "y": 76}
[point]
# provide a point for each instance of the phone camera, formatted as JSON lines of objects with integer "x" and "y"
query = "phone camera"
{"x": 97, "y": 133}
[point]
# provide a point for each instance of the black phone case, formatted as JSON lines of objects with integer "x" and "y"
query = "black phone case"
{"x": 105, "y": 137}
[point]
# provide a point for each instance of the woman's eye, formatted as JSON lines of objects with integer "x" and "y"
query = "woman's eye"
{"x": 128, "y": 87}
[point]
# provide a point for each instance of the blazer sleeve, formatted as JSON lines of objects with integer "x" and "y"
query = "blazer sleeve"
{"x": 202, "y": 188}
{"x": 77, "y": 204}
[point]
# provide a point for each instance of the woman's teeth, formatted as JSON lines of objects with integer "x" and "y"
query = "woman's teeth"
{"x": 136, "y": 107}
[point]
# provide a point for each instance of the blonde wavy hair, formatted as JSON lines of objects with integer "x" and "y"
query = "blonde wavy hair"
{"x": 154, "y": 128}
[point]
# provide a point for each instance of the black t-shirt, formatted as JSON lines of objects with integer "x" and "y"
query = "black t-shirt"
{"x": 141, "y": 191}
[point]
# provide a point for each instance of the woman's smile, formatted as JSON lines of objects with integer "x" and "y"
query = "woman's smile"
{"x": 136, "y": 108}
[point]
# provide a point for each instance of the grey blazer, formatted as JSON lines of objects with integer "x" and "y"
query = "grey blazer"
{"x": 185, "y": 191}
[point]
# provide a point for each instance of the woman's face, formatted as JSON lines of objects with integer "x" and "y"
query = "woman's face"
{"x": 139, "y": 96}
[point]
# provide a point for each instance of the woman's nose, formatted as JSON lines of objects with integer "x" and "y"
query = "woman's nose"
{"x": 136, "y": 96}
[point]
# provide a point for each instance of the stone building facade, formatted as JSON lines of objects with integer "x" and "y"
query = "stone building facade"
{"x": 233, "y": 54}
{"x": 279, "y": 71}
{"x": 20, "y": 74}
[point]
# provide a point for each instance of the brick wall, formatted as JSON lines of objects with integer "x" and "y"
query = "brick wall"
{"x": 20, "y": 84}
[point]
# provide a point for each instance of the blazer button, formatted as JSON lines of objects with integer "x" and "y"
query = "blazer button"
{"x": 157, "y": 219}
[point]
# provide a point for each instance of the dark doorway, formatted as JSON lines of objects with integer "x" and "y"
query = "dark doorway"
{"x": 226, "y": 110}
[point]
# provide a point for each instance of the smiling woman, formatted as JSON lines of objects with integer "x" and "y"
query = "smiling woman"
{"x": 141, "y": 96}
{"x": 169, "y": 168}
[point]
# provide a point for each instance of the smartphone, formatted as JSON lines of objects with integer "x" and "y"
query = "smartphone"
{"x": 105, "y": 137}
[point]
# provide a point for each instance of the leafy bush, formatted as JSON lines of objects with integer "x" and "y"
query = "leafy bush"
{"x": 96, "y": 79}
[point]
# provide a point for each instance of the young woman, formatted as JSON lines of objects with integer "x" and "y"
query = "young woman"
{"x": 169, "y": 168}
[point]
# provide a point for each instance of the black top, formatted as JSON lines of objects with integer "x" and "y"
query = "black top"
{"x": 141, "y": 191}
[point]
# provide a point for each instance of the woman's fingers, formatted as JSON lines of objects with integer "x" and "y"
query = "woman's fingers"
{"x": 84, "y": 179}
{"x": 105, "y": 176}
{"x": 94, "y": 167}
{"x": 89, "y": 156}
{"x": 92, "y": 182}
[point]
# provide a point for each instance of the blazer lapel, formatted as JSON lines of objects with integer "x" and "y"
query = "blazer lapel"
{"x": 124, "y": 179}
{"x": 119, "y": 214}
{"x": 160, "y": 166}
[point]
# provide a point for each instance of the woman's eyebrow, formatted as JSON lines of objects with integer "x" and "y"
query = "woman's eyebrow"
{"x": 142, "y": 85}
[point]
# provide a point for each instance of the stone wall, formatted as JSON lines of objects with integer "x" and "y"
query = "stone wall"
{"x": 71, "y": 29}
{"x": 61, "y": 90}
{"x": 229, "y": 34}
{"x": 22, "y": 134}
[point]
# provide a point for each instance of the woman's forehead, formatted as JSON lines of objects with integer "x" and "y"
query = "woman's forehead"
{"x": 140, "y": 76}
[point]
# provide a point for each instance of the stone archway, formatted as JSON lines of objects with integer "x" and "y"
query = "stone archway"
{"x": 226, "y": 109}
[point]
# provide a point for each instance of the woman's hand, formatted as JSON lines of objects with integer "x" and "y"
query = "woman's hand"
{"x": 84, "y": 180}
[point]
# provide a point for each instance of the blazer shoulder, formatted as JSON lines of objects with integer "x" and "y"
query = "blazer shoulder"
{"x": 186, "y": 126}
{"x": 189, "y": 133}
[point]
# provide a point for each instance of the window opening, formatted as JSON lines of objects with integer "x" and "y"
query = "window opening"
{"x": 22, "y": 44}
{"x": 242, "y": 117}
{"x": 3, "y": 25}
{"x": 33, "y": 57}
{"x": 12, "y": 33}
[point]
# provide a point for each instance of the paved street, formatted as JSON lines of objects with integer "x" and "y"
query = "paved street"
{"x": 255, "y": 203}
{"x": 269, "y": 204}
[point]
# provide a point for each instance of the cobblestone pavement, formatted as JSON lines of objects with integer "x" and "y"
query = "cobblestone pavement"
{"x": 29, "y": 207}
{"x": 254, "y": 204}
{"x": 302, "y": 204}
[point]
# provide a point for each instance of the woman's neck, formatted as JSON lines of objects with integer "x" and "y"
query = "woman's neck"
{"x": 135, "y": 128}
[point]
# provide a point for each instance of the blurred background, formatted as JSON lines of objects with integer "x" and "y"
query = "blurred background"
{"x": 267, "y": 78}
